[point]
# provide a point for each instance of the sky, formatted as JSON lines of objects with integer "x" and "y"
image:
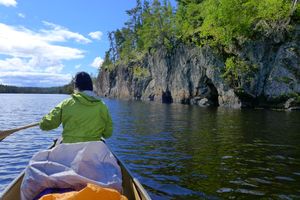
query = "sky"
{"x": 44, "y": 43}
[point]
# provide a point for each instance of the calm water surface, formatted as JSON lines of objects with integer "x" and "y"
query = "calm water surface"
{"x": 176, "y": 151}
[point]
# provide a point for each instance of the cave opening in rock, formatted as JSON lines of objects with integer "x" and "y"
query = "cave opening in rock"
{"x": 206, "y": 94}
{"x": 213, "y": 93}
{"x": 167, "y": 97}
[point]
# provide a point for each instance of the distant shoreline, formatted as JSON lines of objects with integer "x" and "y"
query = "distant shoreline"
{"x": 8, "y": 89}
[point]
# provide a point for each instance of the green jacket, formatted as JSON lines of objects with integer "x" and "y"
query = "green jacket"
{"x": 84, "y": 118}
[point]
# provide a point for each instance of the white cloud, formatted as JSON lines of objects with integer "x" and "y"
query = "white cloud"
{"x": 34, "y": 79}
{"x": 54, "y": 69}
{"x": 77, "y": 66}
{"x": 14, "y": 64}
{"x": 29, "y": 57}
{"x": 21, "y": 15}
{"x": 8, "y": 2}
{"x": 97, "y": 35}
{"x": 97, "y": 62}
{"x": 22, "y": 42}
{"x": 61, "y": 34}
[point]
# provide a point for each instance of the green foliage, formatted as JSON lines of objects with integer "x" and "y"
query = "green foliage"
{"x": 148, "y": 25}
{"x": 272, "y": 10}
{"x": 107, "y": 63}
{"x": 224, "y": 23}
{"x": 188, "y": 21}
{"x": 238, "y": 72}
{"x": 273, "y": 17}
{"x": 140, "y": 72}
{"x": 296, "y": 15}
{"x": 158, "y": 25}
{"x": 228, "y": 22}
{"x": 217, "y": 22}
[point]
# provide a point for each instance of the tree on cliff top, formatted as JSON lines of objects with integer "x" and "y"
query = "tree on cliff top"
{"x": 149, "y": 25}
{"x": 227, "y": 22}
{"x": 214, "y": 22}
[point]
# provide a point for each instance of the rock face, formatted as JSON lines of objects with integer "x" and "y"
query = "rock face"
{"x": 278, "y": 76}
{"x": 193, "y": 75}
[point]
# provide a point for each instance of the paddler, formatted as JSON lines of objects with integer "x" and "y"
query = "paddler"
{"x": 84, "y": 116}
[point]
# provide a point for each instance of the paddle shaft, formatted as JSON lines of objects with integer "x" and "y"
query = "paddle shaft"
{"x": 4, "y": 134}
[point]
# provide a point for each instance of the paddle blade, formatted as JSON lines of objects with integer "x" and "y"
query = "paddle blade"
{"x": 4, "y": 134}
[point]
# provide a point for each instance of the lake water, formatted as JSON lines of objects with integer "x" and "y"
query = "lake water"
{"x": 176, "y": 151}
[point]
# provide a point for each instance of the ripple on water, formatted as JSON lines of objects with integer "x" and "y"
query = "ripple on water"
{"x": 251, "y": 192}
{"x": 167, "y": 178}
{"x": 275, "y": 145}
{"x": 173, "y": 189}
{"x": 227, "y": 157}
{"x": 284, "y": 197}
{"x": 146, "y": 167}
{"x": 225, "y": 190}
{"x": 260, "y": 180}
{"x": 255, "y": 161}
{"x": 284, "y": 178}
{"x": 6, "y": 181}
{"x": 11, "y": 170}
{"x": 266, "y": 169}
{"x": 242, "y": 183}
{"x": 170, "y": 189}
{"x": 278, "y": 157}
{"x": 14, "y": 156}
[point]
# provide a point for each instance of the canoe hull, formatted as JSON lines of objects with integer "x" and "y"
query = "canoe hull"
{"x": 132, "y": 188}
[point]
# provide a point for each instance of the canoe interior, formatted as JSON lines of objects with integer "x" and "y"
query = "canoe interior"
{"x": 132, "y": 189}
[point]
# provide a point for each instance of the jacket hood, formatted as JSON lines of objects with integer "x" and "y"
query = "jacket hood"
{"x": 87, "y": 98}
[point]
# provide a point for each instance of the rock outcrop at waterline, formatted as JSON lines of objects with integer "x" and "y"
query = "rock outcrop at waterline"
{"x": 193, "y": 75}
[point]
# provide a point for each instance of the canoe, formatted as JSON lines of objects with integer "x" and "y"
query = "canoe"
{"x": 132, "y": 188}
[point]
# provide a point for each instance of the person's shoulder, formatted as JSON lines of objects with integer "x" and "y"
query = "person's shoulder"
{"x": 102, "y": 103}
{"x": 67, "y": 101}
{"x": 101, "y": 100}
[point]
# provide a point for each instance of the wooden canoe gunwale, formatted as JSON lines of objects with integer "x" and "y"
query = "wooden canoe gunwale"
{"x": 135, "y": 182}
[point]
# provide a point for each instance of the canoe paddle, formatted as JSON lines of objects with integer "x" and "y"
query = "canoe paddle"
{"x": 4, "y": 134}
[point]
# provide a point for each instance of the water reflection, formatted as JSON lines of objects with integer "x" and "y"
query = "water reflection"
{"x": 182, "y": 152}
{"x": 193, "y": 153}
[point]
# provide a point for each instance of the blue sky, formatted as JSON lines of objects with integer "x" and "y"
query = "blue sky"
{"x": 45, "y": 42}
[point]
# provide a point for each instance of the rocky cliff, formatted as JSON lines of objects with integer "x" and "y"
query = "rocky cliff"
{"x": 194, "y": 75}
